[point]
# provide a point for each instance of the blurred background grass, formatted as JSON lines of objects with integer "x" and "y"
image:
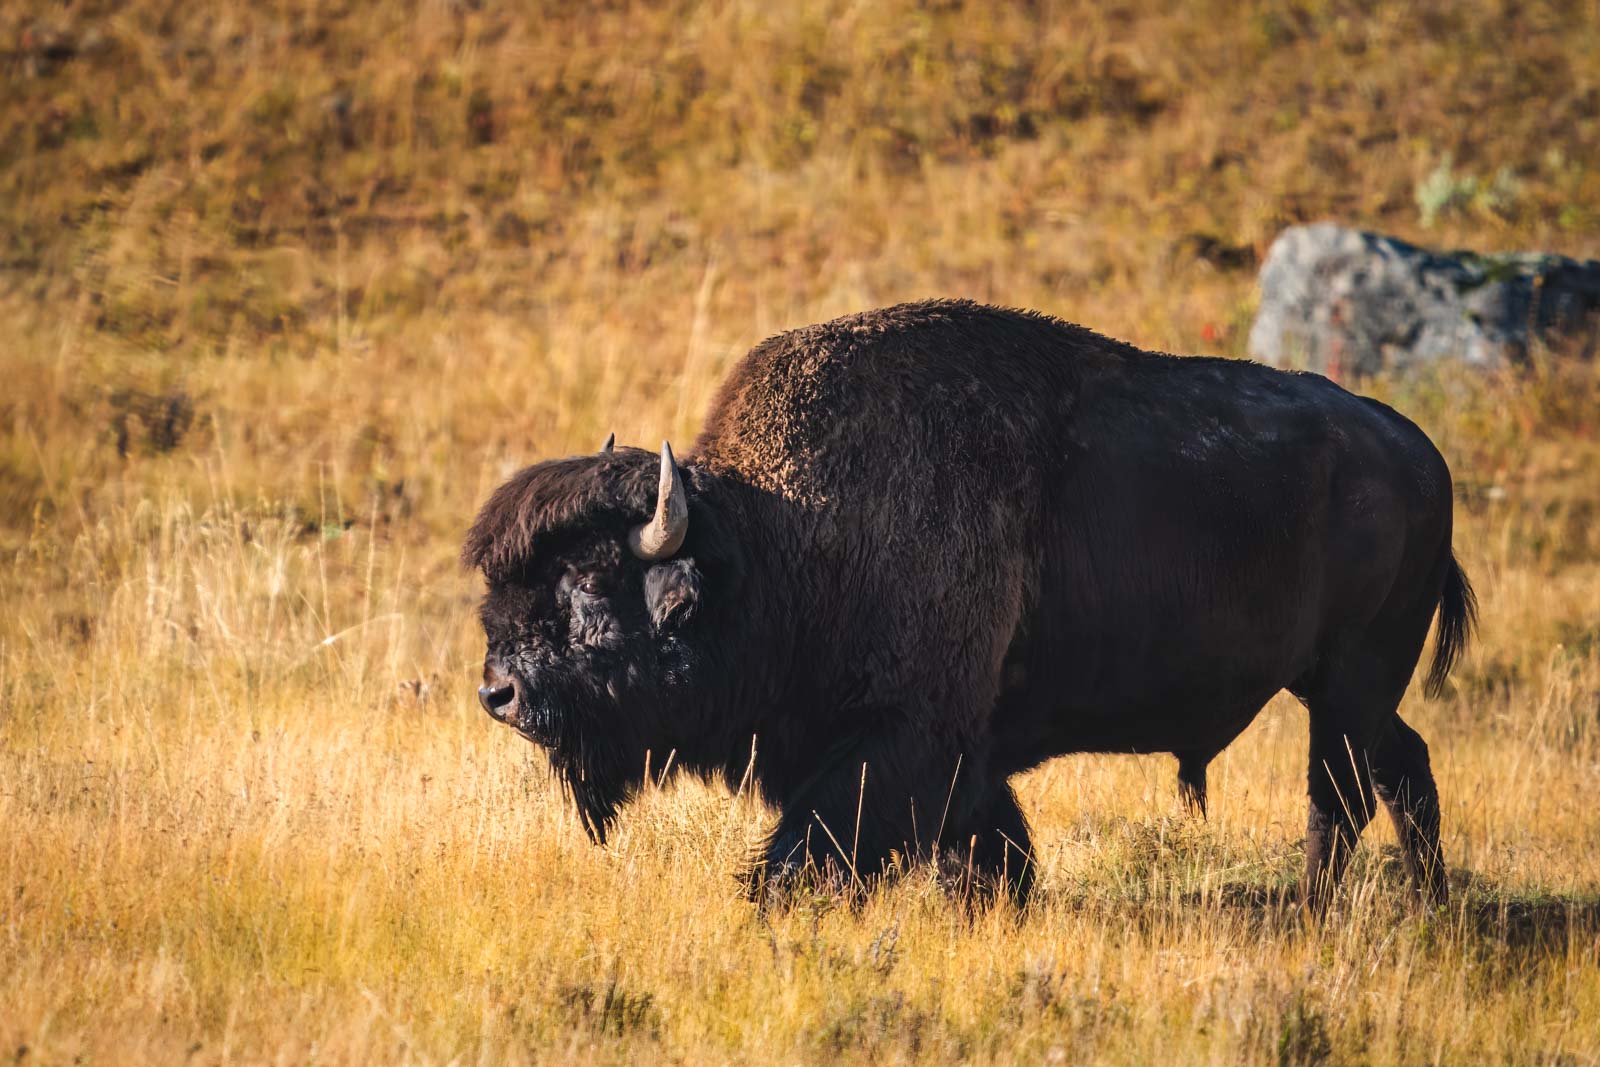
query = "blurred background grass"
{"x": 220, "y": 226}
{"x": 289, "y": 286}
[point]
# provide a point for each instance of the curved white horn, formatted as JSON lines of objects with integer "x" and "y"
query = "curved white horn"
{"x": 611, "y": 440}
{"x": 664, "y": 533}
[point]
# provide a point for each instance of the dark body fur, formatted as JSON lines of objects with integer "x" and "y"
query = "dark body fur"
{"x": 934, "y": 545}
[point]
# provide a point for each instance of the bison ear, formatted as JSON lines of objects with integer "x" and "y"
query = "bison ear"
{"x": 672, "y": 593}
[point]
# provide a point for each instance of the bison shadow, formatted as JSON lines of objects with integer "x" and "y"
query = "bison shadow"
{"x": 1533, "y": 923}
{"x": 1501, "y": 919}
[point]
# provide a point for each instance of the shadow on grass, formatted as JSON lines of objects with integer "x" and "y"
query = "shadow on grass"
{"x": 1532, "y": 922}
{"x": 1527, "y": 922}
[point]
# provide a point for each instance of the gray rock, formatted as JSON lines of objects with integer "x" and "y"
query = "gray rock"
{"x": 1345, "y": 302}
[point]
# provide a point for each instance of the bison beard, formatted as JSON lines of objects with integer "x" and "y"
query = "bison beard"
{"x": 603, "y": 759}
{"x": 919, "y": 550}
{"x": 587, "y": 759}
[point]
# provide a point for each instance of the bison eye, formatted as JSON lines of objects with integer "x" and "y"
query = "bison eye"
{"x": 589, "y": 587}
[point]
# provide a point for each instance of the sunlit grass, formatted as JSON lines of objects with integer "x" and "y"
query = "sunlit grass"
{"x": 251, "y": 808}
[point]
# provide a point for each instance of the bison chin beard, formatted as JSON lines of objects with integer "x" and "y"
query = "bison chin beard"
{"x": 595, "y": 750}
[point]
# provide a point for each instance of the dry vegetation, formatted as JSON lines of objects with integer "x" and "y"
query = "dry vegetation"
{"x": 288, "y": 286}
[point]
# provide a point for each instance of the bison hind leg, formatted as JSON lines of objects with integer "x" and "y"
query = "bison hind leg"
{"x": 1405, "y": 784}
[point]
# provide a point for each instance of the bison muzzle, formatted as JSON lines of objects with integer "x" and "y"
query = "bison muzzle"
{"x": 919, "y": 550}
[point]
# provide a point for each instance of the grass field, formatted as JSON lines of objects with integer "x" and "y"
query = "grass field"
{"x": 288, "y": 287}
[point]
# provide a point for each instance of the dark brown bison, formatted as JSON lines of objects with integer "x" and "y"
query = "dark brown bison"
{"x": 918, "y": 550}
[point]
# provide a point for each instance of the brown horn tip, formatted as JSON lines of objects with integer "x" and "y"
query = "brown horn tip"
{"x": 611, "y": 442}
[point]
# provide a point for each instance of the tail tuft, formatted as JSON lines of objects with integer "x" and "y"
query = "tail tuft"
{"x": 1458, "y": 616}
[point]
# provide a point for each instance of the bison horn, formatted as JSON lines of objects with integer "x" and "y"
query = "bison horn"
{"x": 664, "y": 533}
{"x": 611, "y": 440}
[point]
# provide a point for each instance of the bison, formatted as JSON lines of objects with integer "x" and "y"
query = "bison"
{"x": 919, "y": 550}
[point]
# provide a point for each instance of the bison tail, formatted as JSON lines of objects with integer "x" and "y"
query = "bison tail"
{"x": 1458, "y": 615}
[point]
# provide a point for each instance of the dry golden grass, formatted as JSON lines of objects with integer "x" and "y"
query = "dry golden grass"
{"x": 289, "y": 288}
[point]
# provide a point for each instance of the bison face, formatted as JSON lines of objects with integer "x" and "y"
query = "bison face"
{"x": 577, "y": 639}
{"x": 588, "y": 618}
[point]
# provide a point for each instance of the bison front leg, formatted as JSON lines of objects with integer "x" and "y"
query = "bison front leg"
{"x": 889, "y": 804}
{"x": 989, "y": 849}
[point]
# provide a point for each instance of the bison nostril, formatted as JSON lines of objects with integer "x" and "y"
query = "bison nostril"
{"x": 496, "y": 698}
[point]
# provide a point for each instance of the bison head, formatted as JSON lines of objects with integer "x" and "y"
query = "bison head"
{"x": 591, "y": 598}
